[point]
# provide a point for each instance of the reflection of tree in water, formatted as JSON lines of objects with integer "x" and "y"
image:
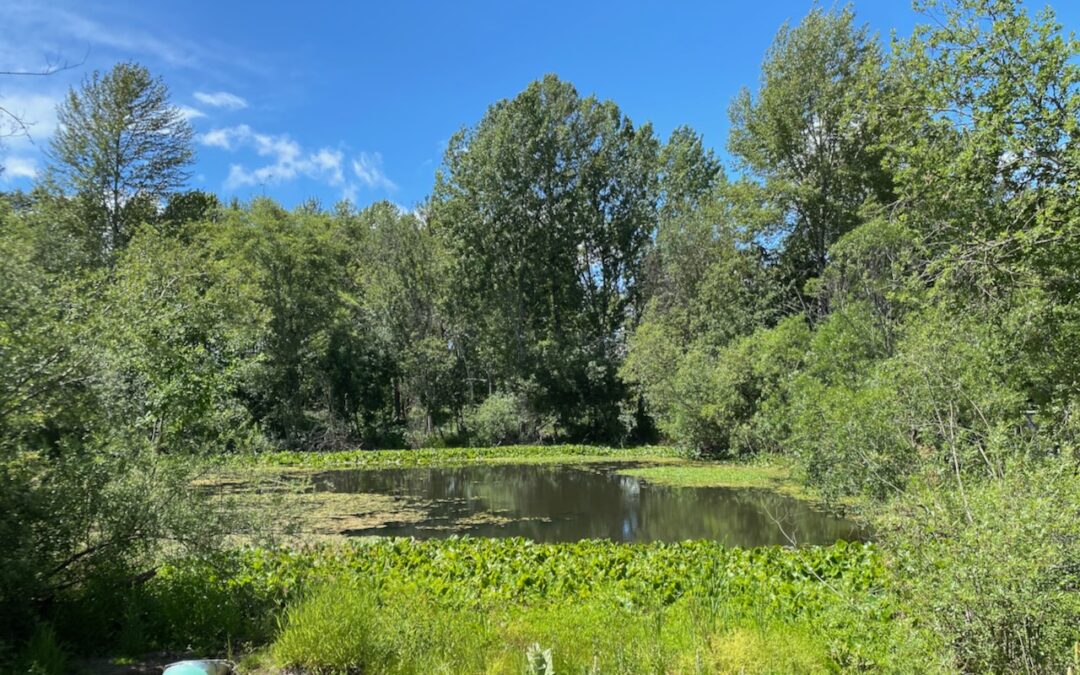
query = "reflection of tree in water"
{"x": 567, "y": 503}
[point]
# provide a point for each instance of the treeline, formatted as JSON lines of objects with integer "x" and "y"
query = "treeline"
{"x": 882, "y": 285}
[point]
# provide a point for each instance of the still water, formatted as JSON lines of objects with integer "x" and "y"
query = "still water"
{"x": 570, "y": 502}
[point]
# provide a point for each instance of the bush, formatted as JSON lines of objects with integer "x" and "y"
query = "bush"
{"x": 499, "y": 420}
{"x": 864, "y": 420}
{"x": 994, "y": 566}
{"x": 848, "y": 438}
{"x": 735, "y": 400}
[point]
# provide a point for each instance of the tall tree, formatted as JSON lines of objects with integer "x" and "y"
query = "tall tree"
{"x": 122, "y": 146}
{"x": 548, "y": 206}
{"x": 401, "y": 273}
{"x": 811, "y": 150}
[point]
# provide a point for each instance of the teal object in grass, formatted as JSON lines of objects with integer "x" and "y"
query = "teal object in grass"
{"x": 204, "y": 667}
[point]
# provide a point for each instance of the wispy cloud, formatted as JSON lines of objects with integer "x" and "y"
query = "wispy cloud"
{"x": 63, "y": 29}
{"x": 103, "y": 34}
{"x": 17, "y": 166}
{"x": 35, "y": 111}
{"x": 288, "y": 160}
{"x": 190, "y": 113}
{"x": 221, "y": 99}
{"x": 368, "y": 168}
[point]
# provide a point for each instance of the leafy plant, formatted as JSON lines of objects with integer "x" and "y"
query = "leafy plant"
{"x": 539, "y": 661}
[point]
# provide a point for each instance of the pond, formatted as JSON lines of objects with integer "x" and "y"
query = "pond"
{"x": 553, "y": 503}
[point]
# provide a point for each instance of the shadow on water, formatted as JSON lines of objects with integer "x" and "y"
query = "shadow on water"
{"x": 568, "y": 503}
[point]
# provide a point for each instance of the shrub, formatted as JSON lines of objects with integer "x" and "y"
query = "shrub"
{"x": 735, "y": 400}
{"x": 994, "y": 566}
{"x": 499, "y": 420}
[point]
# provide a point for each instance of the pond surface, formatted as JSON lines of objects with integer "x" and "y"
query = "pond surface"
{"x": 553, "y": 503}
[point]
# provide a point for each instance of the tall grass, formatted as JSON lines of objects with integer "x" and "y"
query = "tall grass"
{"x": 43, "y": 654}
{"x": 464, "y": 605}
{"x": 338, "y": 628}
{"x": 330, "y": 631}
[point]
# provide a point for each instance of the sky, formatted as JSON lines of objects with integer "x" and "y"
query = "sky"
{"x": 357, "y": 100}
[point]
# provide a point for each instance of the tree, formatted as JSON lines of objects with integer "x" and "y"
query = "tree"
{"x": 401, "y": 272}
{"x": 121, "y": 147}
{"x": 548, "y": 206}
{"x": 81, "y": 498}
{"x": 807, "y": 140}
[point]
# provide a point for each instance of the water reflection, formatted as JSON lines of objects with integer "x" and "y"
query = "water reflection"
{"x": 568, "y": 503}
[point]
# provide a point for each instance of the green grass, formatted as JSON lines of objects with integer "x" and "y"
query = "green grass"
{"x": 700, "y": 474}
{"x": 374, "y": 459}
{"x": 330, "y": 630}
{"x": 43, "y": 653}
{"x": 465, "y": 605}
{"x": 338, "y": 630}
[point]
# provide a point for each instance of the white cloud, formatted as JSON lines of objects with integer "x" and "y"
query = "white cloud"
{"x": 36, "y": 111}
{"x": 368, "y": 168}
{"x": 21, "y": 141}
{"x": 221, "y": 99}
{"x": 223, "y": 138}
{"x": 190, "y": 113}
{"x": 329, "y": 161}
{"x": 17, "y": 167}
{"x": 289, "y": 160}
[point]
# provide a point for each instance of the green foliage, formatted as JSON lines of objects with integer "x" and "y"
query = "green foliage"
{"x": 888, "y": 296}
{"x": 476, "y": 605}
{"x": 448, "y": 456}
{"x": 498, "y": 420}
{"x": 734, "y": 399}
{"x": 175, "y": 324}
{"x": 546, "y": 208}
{"x": 924, "y": 211}
{"x": 403, "y": 278}
{"x": 807, "y": 140}
{"x": 43, "y": 654}
{"x": 994, "y": 566}
{"x": 770, "y": 580}
{"x": 120, "y": 147}
{"x": 330, "y": 631}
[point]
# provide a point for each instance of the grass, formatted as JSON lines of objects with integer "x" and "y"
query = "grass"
{"x": 337, "y": 631}
{"x": 777, "y": 477}
{"x": 516, "y": 454}
{"x": 330, "y": 630}
{"x": 43, "y": 654}
{"x": 467, "y": 605}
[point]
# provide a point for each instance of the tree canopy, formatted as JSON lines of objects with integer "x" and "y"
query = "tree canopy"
{"x": 120, "y": 147}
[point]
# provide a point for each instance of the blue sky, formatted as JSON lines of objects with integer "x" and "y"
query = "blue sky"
{"x": 357, "y": 99}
